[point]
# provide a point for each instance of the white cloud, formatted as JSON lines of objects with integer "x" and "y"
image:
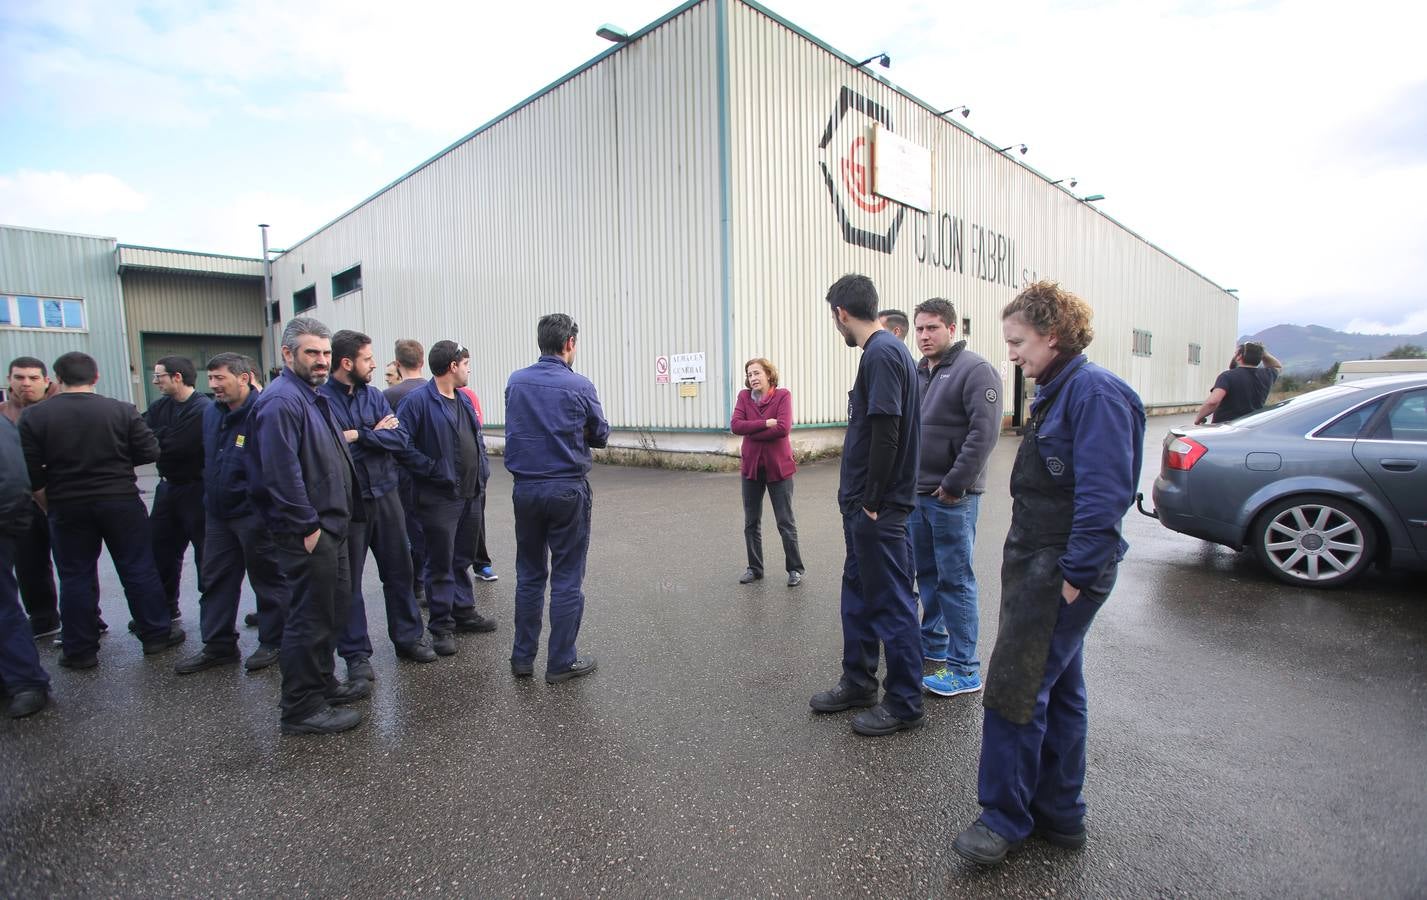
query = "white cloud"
{"x": 1413, "y": 323}
{"x": 64, "y": 200}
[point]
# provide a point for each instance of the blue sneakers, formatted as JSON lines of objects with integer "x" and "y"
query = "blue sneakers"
{"x": 486, "y": 573}
{"x": 946, "y": 683}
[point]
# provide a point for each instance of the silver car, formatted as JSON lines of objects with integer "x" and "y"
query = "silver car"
{"x": 1320, "y": 486}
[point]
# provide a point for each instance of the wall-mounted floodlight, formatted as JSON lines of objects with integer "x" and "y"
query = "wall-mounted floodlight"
{"x": 881, "y": 59}
{"x": 1092, "y": 198}
{"x": 613, "y": 33}
{"x": 1231, "y": 290}
{"x": 964, "y": 110}
{"x": 1072, "y": 180}
{"x": 1021, "y": 147}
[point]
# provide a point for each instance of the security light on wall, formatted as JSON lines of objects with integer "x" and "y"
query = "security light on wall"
{"x": 881, "y": 59}
{"x": 1021, "y": 147}
{"x": 613, "y": 33}
{"x": 964, "y": 110}
{"x": 1070, "y": 182}
{"x": 1092, "y": 198}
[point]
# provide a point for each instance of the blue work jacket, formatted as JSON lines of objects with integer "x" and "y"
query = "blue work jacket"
{"x": 1092, "y": 443}
{"x": 435, "y": 444}
{"x": 295, "y": 475}
{"x": 225, "y": 451}
{"x": 374, "y": 453}
{"x": 553, "y": 418}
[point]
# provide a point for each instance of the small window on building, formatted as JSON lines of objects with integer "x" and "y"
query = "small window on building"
{"x": 304, "y": 299}
{"x": 347, "y": 282}
{"x": 1141, "y": 343}
{"x": 42, "y": 312}
{"x": 275, "y": 312}
{"x": 1195, "y": 353}
{"x": 965, "y": 328}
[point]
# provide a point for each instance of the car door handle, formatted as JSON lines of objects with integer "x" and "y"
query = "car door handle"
{"x": 1398, "y": 465}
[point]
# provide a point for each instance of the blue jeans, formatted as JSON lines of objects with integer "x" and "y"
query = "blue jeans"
{"x": 942, "y": 539}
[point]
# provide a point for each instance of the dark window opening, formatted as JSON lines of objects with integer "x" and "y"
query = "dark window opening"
{"x": 275, "y": 312}
{"x": 304, "y": 299}
{"x": 347, "y": 282}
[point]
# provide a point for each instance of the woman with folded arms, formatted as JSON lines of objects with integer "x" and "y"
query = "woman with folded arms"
{"x": 764, "y": 416}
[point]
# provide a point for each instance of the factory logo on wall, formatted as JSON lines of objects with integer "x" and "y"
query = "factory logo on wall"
{"x": 846, "y": 147}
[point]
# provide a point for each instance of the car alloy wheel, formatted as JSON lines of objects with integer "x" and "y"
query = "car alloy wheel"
{"x": 1316, "y": 541}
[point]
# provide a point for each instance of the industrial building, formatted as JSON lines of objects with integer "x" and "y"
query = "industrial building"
{"x": 126, "y": 306}
{"x": 690, "y": 194}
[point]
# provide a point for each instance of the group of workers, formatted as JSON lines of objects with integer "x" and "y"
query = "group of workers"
{"x": 298, "y": 482}
{"x": 292, "y": 486}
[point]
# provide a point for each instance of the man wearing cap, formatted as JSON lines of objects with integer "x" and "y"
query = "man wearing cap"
{"x": 449, "y": 469}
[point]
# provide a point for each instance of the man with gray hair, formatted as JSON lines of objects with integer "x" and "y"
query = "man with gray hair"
{"x": 301, "y": 479}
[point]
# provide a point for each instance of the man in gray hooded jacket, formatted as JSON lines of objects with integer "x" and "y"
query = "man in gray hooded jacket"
{"x": 961, "y": 421}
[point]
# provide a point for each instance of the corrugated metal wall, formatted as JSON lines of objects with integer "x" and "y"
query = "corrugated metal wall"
{"x": 179, "y": 303}
{"x": 789, "y": 247}
{"x": 51, "y": 264}
{"x": 599, "y": 199}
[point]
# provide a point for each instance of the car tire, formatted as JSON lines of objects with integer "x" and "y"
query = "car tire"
{"x": 1314, "y": 540}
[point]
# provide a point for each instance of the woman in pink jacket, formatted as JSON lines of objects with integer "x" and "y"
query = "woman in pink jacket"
{"x": 764, "y": 416}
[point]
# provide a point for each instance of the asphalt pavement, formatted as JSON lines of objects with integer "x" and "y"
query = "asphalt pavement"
{"x": 1247, "y": 739}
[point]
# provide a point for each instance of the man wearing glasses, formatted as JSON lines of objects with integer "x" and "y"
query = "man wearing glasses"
{"x": 176, "y": 419}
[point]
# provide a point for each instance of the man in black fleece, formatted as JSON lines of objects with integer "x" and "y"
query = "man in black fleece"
{"x": 81, "y": 450}
{"x": 176, "y": 419}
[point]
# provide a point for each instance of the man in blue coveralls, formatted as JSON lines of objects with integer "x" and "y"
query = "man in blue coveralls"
{"x": 449, "y": 467}
{"x": 374, "y": 436}
{"x": 877, "y": 491}
{"x": 22, "y": 678}
{"x": 237, "y": 539}
{"x": 552, "y": 419}
{"x": 301, "y": 479}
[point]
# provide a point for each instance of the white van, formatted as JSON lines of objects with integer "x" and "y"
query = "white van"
{"x": 1354, "y": 369}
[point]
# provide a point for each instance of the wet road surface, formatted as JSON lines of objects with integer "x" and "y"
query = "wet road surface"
{"x": 1247, "y": 739}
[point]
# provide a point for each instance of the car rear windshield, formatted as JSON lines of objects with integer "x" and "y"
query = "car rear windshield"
{"x": 1297, "y": 404}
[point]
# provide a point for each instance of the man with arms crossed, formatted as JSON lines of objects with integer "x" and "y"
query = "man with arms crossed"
{"x": 961, "y": 421}
{"x": 877, "y": 491}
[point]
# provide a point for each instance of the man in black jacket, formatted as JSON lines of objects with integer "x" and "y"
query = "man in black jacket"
{"x": 176, "y": 419}
{"x": 81, "y": 450}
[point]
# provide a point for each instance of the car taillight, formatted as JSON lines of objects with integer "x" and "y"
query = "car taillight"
{"x": 1182, "y": 453}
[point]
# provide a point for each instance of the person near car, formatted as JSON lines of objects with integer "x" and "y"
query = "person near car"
{"x": 1243, "y": 387}
{"x": 449, "y": 468}
{"x": 961, "y": 422}
{"x": 553, "y": 419}
{"x": 302, "y": 482}
{"x": 236, "y": 540}
{"x": 876, "y": 494}
{"x": 176, "y": 419}
{"x": 22, "y": 679}
{"x": 1072, "y": 482}
{"x": 764, "y": 416}
{"x": 81, "y": 449}
{"x": 30, "y": 383}
{"x": 376, "y": 439}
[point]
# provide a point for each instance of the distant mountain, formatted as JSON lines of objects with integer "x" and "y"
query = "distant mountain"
{"x": 1310, "y": 348}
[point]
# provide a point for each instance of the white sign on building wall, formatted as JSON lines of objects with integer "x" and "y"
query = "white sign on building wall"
{"x": 687, "y": 367}
{"x": 901, "y": 170}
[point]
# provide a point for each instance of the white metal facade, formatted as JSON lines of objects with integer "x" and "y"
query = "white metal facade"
{"x": 670, "y": 197}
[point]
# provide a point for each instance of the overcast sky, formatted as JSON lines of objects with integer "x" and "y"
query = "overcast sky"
{"x": 1278, "y": 148}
